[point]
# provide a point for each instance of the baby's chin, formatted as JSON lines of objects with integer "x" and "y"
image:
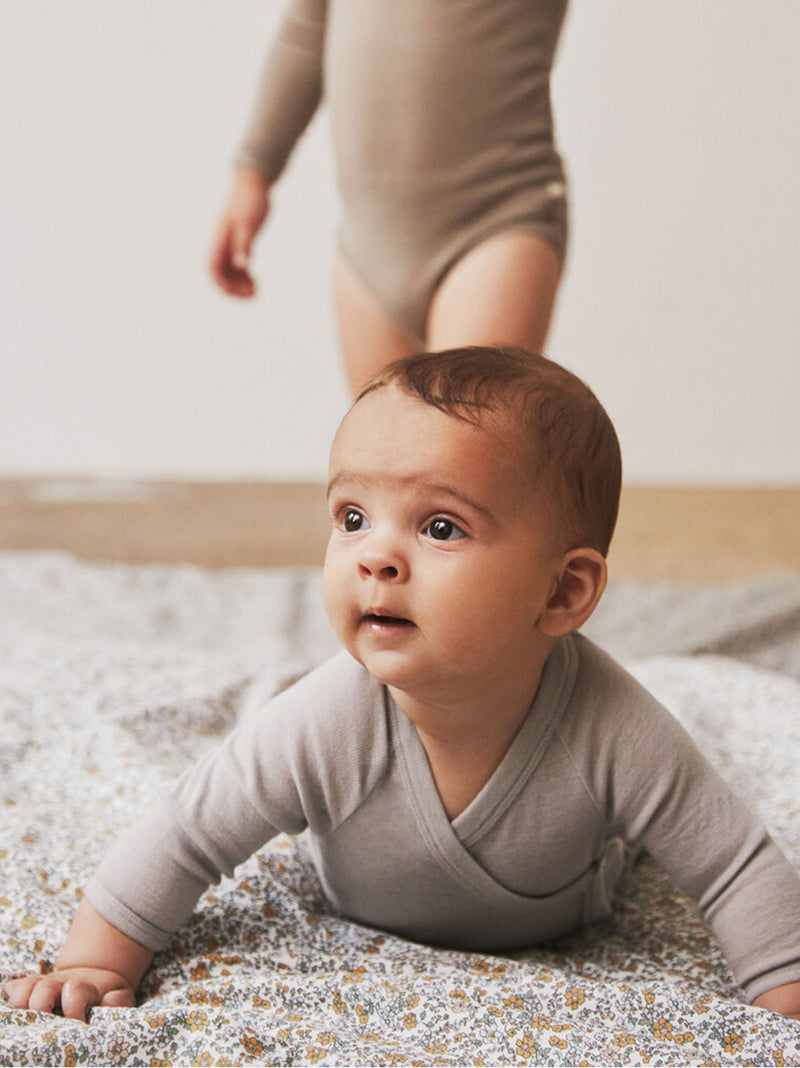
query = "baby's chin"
{"x": 390, "y": 667}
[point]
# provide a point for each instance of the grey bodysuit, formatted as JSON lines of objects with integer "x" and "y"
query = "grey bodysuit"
{"x": 597, "y": 770}
{"x": 441, "y": 124}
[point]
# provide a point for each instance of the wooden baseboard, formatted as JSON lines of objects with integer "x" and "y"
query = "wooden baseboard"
{"x": 706, "y": 534}
{"x": 679, "y": 533}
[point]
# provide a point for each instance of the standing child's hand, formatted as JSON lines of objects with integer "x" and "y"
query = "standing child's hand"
{"x": 243, "y": 217}
{"x": 72, "y": 990}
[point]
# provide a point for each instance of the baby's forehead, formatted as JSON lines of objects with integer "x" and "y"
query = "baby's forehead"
{"x": 493, "y": 438}
{"x": 498, "y": 420}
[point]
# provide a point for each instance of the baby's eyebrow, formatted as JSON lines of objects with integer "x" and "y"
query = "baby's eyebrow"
{"x": 443, "y": 488}
{"x": 344, "y": 476}
{"x": 451, "y": 491}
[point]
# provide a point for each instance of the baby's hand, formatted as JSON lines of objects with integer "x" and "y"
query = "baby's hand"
{"x": 72, "y": 991}
{"x": 784, "y": 999}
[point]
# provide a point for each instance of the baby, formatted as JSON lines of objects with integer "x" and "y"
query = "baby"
{"x": 471, "y": 772}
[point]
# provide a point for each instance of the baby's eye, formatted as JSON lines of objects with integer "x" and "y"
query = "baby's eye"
{"x": 444, "y": 530}
{"x": 353, "y": 520}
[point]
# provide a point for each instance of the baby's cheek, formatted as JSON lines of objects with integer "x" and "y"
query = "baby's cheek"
{"x": 331, "y": 586}
{"x": 337, "y": 595}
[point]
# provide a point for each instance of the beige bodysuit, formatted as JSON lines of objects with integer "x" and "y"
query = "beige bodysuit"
{"x": 441, "y": 124}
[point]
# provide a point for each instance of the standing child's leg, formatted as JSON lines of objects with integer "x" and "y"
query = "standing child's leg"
{"x": 501, "y": 292}
{"x": 368, "y": 337}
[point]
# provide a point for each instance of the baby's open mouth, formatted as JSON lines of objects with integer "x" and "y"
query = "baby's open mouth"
{"x": 382, "y": 619}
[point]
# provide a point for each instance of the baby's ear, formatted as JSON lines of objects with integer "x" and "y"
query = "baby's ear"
{"x": 581, "y": 582}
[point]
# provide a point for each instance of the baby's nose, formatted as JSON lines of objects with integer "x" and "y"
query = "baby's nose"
{"x": 385, "y": 571}
{"x": 382, "y": 559}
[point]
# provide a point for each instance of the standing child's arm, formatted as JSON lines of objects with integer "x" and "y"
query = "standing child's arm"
{"x": 97, "y": 966}
{"x": 288, "y": 94}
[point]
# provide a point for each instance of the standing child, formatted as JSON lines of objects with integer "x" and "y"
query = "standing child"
{"x": 471, "y": 771}
{"x": 453, "y": 193}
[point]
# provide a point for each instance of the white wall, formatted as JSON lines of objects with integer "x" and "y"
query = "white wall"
{"x": 117, "y": 357}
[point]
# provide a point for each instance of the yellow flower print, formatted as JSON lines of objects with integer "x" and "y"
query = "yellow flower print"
{"x": 526, "y": 1046}
{"x": 574, "y": 997}
{"x": 252, "y": 1045}
{"x": 662, "y": 1030}
{"x": 362, "y": 1014}
{"x": 197, "y": 1021}
{"x": 410, "y": 1021}
{"x": 734, "y": 1043}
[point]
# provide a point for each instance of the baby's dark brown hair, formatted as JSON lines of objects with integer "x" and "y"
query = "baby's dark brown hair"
{"x": 566, "y": 431}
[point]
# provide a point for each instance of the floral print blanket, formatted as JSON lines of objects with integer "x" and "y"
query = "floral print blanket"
{"x": 113, "y": 678}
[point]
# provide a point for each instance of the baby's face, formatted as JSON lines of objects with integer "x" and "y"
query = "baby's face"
{"x": 440, "y": 561}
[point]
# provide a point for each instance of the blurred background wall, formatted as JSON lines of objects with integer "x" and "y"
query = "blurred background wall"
{"x": 680, "y": 306}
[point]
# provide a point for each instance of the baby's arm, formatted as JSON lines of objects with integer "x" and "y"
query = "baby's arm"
{"x": 98, "y": 965}
{"x": 667, "y": 797}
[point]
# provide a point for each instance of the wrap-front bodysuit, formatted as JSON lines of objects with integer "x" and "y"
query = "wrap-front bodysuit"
{"x": 597, "y": 771}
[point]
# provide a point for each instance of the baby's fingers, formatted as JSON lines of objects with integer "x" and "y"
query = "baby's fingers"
{"x": 77, "y": 997}
{"x": 18, "y": 991}
{"x": 72, "y": 994}
{"x": 45, "y": 995}
{"x": 119, "y": 999}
